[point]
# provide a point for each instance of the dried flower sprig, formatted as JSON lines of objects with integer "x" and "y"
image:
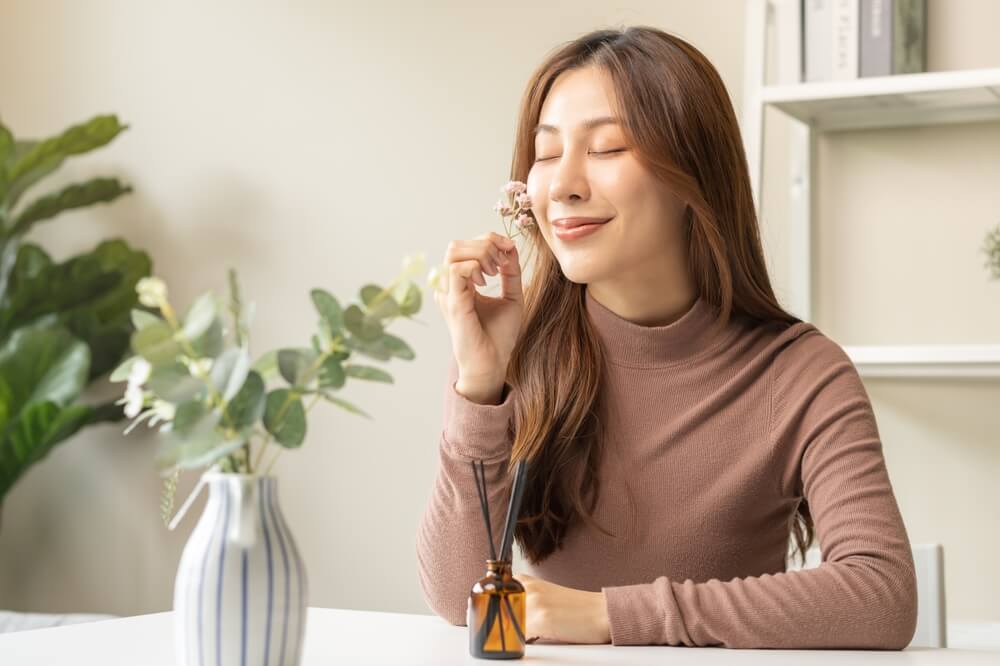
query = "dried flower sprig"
{"x": 516, "y": 205}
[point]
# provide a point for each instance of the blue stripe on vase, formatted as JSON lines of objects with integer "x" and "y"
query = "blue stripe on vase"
{"x": 270, "y": 571}
{"x": 284, "y": 560}
{"x": 243, "y": 623}
{"x": 201, "y": 590}
{"x": 299, "y": 577}
{"x": 218, "y": 594}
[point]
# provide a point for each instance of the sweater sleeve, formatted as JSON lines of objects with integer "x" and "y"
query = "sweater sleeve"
{"x": 863, "y": 594}
{"x": 452, "y": 546}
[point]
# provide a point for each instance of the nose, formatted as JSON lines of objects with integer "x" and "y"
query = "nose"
{"x": 569, "y": 180}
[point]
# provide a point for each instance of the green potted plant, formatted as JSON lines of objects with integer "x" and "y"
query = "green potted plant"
{"x": 219, "y": 407}
{"x": 63, "y": 325}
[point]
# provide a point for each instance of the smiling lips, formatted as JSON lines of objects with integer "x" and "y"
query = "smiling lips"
{"x": 568, "y": 228}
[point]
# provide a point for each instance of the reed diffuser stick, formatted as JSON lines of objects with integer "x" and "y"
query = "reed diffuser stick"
{"x": 493, "y": 611}
{"x": 513, "y": 508}
{"x": 484, "y": 504}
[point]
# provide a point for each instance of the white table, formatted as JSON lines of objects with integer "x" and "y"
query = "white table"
{"x": 335, "y": 636}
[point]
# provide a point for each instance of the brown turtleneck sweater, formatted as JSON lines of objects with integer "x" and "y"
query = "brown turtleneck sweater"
{"x": 713, "y": 444}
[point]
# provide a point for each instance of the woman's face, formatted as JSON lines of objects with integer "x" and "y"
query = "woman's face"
{"x": 585, "y": 169}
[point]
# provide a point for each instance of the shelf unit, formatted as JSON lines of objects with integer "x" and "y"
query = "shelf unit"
{"x": 929, "y": 98}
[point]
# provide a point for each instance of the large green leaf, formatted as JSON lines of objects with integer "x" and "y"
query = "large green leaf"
{"x": 43, "y": 369}
{"x": 6, "y": 154}
{"x": 33, "y": 433}
{"x": 97, "y": 190}
{"x": 40, "y": 158}
{"x": 92, "y": 294}
{"x": 43, "y": 361}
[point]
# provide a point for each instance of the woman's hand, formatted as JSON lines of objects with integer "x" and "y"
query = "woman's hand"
{"x": 483, "y": 329}
{"x": 563, "y": 614}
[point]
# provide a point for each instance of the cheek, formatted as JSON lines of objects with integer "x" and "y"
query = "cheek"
{"x": 535, "y": 189}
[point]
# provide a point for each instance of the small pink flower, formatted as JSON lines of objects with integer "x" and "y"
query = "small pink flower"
{"x": 523, "y": 221}
{"x": 523, "y": 200}
{"x": 514, "y": 187}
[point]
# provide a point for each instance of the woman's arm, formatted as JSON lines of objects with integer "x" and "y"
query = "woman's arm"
{"x": 452, "y": 546}
{"x": 863, "y": 595}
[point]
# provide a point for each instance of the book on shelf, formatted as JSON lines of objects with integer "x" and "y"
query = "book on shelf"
{"x": 847, "y": 39}
{"x": 893, "y": 37}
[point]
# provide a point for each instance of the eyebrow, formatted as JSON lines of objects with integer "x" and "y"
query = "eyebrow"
{"x": 587, "y": 124}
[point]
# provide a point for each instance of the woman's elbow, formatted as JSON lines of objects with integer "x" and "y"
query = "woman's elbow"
{"x": 898, "y": 622}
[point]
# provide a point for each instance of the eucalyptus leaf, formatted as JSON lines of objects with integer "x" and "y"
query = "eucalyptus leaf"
{"x": 267, "y": 364}
{"x": 361, "y": 325}
{"x": 332, "y": 373}
{"x": 328, "y": 308}
{"x": 156, "y": 343}
{"x": 141, "y": 318}
{"x": 247, "y": 406}
{"x": 398, "y": 347}
{"x": 376, "y": 349}
{"x": 200, "y": 316}
{"x": 345, "y": 405}
{"x": 412, "y": 300}
{"x": 368, "y": 372}
{"x": 230, "y": 370}
{"x": 380, "y": 303}
{"x": 202, "y": 443}
{"x": 285, "y": 418}
{"x": 211, "y": 342}
{"x": 175, "y": 384}
{"x": 294, "y": 363}
{"x": 187, "y": 415}
{"x": 122, "y": 372}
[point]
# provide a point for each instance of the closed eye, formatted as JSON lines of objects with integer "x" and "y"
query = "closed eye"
{"x": 605, "y": 152}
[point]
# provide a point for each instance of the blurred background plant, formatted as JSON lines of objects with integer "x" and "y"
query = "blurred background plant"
{"x": 992, "y": 249}
{"x": 212, "y": 400}
{"x": 63, "y": 325}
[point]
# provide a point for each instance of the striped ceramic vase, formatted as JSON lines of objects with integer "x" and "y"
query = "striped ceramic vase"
{"x": 240, "y": 595}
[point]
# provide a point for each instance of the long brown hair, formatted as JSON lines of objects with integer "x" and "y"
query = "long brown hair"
{"x": 678, "y": 119}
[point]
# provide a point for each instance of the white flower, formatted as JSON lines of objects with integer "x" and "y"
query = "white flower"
{"x": 436, "y": 278}
{"x": 414, "y": 265}
{"x": 152, "y": 291}
{"x": 139, "y": 371}
{"x": 133, "y": 400}
{"x": 162, "y": 411}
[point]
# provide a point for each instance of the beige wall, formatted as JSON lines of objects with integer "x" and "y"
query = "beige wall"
{"x": 314, "y": 143}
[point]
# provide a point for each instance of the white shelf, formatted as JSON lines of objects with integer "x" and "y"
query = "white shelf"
{"x": 969, "y": 361}
{"x": 927, "y": 98}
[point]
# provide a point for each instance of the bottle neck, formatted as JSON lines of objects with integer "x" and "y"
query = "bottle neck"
{"x": 499, "y": 568}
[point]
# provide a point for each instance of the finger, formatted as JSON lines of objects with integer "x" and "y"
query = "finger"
{"x": 510, "y": 276}
{"x": 461, "y": 275}
{"x": 483, "y": 249}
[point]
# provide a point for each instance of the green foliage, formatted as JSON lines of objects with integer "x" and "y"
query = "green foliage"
{"x": 63, "y": 324}
{"x": 214, "y": 401}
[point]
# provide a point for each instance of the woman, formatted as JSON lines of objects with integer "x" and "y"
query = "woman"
{"x": 679, "y": 425}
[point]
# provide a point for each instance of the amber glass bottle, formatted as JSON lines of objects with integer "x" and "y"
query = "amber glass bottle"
{"x": 496, "y": 614}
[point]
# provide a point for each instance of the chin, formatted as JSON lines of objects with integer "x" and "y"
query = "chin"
{"x": 577, "y": 272}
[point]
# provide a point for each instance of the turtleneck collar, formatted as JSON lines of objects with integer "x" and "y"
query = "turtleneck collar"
{"x": 635, "y": 345}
